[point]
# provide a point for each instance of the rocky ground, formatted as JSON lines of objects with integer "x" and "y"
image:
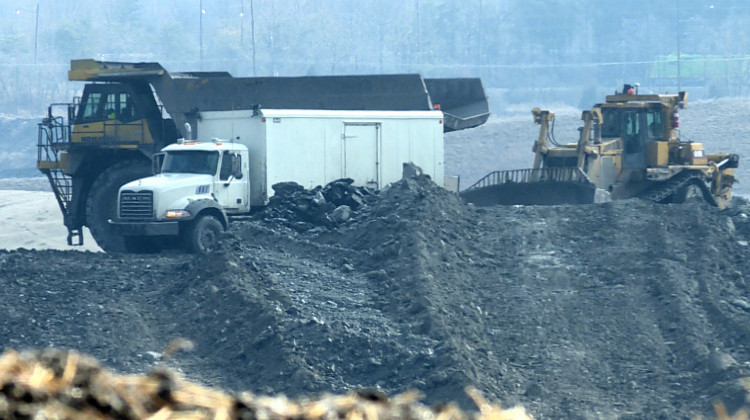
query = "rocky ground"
{"x": 618, "y": 310}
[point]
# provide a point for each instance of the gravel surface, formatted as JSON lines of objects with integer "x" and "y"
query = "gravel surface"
{"x": 619, "y": 310}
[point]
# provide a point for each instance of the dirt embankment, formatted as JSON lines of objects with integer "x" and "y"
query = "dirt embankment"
{"x": 619, "y": 310}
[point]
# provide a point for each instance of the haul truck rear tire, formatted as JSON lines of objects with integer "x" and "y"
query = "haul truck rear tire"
{"x": 204, "y": 234}
{"x": 101, "y": 204}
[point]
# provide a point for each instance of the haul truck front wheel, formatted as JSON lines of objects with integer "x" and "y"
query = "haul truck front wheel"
{"x": 203, "y": 235}
{"x": 101, "y": 204}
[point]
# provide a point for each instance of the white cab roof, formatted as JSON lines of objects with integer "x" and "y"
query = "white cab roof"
{"x": 205, "y": 146}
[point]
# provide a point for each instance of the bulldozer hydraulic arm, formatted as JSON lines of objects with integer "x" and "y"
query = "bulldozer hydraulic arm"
{"x": 543, "y": 118}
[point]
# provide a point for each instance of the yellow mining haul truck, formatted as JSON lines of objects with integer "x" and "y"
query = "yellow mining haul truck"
{"x": 629, "y": 146}
{"x": 129, "y": 111}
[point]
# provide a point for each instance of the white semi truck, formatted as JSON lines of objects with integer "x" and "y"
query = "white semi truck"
{"x": 201, "y": 183}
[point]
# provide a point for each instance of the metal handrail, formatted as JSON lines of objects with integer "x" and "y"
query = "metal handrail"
{"x": 570, "y": 174}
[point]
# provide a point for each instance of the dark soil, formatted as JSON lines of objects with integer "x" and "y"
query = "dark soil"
{"x": 618, "y": 310}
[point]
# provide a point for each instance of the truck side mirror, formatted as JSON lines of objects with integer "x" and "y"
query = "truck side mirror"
{"x": 237, "y": 166}
{"x": 156, "y": 163}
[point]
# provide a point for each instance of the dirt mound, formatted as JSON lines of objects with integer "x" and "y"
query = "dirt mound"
{"x": 625, "y": 309}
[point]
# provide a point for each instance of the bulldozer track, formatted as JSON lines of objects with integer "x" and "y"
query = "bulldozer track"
{"x": 662, "y": 192}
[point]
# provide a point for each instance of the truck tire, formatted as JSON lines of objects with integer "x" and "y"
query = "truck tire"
{"x": 204, "y": 234}
{"x": 101, "y": 203}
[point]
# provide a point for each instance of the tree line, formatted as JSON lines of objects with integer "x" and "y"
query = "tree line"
{"x": 518, "y": 47}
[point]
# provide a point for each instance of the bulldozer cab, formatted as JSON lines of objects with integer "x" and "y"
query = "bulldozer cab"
{"x": 636, "y": 126}
{"x": 122, "y": 113}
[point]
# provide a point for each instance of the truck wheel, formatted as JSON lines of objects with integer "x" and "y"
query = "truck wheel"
{"x": 101, "y": 204}
{"x": 204, "y": 234}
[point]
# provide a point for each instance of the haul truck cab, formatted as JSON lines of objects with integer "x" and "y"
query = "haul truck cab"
{"x": 199, "y": 184}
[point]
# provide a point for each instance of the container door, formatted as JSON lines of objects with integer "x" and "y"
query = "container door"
{"x": 361, "y": 153}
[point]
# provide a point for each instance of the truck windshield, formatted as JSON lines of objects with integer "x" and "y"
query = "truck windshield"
{"x": 197, "y": 162}
{"x": 611, "y": 123}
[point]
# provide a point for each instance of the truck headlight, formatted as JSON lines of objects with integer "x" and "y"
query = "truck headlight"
{"x": 177, "y": 214}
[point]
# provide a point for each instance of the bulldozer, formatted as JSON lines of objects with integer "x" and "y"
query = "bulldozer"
{"x": 629, "y": 146}
{"x": 128, "y": 112}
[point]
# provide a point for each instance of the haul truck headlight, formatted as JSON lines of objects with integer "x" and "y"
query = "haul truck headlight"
{"x": 177, "y": 214}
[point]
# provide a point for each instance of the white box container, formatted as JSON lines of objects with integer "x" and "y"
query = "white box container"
{"x": 315, "y": 147}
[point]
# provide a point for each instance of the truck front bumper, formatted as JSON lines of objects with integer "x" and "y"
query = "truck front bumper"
{"x": 170, "y": 228}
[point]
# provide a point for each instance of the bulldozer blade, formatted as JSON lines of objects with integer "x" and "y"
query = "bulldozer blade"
{"x": 540, "y": 193}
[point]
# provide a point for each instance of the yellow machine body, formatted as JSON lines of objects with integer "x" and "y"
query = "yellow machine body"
{"x": 629, "y": 146}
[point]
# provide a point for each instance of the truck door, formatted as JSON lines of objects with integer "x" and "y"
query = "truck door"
{"x": 361, "y": 157}
{"x": 232, "y": 193}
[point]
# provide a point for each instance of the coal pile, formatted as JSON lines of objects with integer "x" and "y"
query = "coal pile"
{"x": 327, "y": 207}
{"x": 626, "y": 310}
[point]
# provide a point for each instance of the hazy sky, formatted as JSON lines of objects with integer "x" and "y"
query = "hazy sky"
{"x": 513, "y": 45}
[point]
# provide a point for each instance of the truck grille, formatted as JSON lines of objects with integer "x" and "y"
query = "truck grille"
{"x": 136, "y": 205}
